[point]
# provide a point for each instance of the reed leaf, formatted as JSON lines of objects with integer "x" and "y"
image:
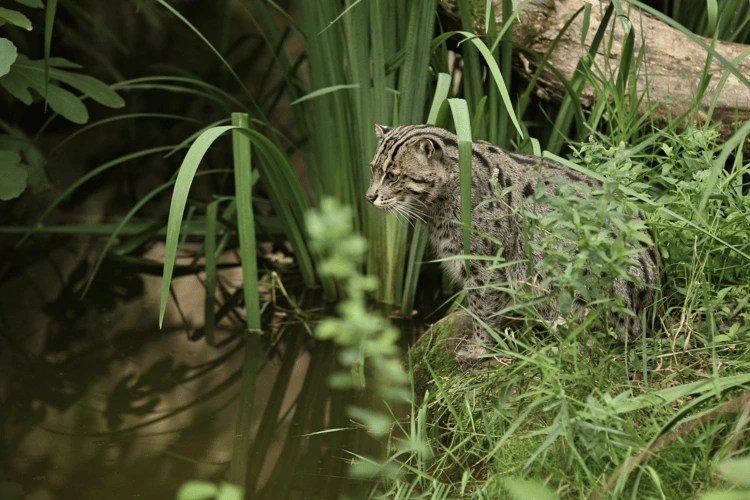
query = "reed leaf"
{"x": 246, "y": 229}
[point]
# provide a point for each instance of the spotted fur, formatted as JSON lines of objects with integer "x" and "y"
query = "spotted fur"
{"x": 415, "y": 173}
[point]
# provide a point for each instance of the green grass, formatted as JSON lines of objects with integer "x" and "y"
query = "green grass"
{"x": 570, "y": 415}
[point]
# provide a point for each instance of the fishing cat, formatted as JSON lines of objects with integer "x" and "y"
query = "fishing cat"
{"x": 415, "y": 173}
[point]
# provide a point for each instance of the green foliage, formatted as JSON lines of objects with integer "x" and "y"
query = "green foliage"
{"x": 26, "y": 75}
{"x": 12, "y": 176}
{"x": 204, "y": 490}
{"x": 727, "y": 20}
{"x": 696, "y": 204}
{"x": 15, "y": 18}
{"x": 368, "y": 342}
{"x": 367, "y": 339}
{"x": 8, "y": 55}
{"x": 736, "y": 472}
{"x": 19, "y": 76}
{"x": 571, "y": 415}
{"x": 528, "y": 490}
{"x": 580, "y": 260}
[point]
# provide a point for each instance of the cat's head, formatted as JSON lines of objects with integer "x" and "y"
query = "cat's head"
{"x": 409, "y": 170}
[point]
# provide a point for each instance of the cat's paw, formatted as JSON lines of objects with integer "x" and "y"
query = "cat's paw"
{"x": 469, "y": 355}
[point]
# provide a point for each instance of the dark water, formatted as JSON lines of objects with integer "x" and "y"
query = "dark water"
{"x": 97, "y": 402}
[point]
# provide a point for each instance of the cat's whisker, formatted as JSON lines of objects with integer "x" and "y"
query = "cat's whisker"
{"x": 420, "y": 202}
{"x": 414, "y": 212}
{"x": 398, "y": 213}
{"x": 404, "y": 209}
{"x": 420, "y": 212}
{"x": 405, "y": 214}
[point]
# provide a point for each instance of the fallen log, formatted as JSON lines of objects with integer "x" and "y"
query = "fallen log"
{"x": 671, "y": 71}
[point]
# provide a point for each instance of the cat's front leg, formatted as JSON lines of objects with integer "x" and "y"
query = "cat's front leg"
{"x": 474, "y": 348}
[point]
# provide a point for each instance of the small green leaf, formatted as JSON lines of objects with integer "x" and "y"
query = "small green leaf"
{"x": 229, "y": 491}
{"x": 60, "y": 100}
{"x": 733, "y": 330}
{"x": 523, "y": 489}
{"x": 67, "y": 104}
{"x": 12, "y": 177}
{"x": 197, "y": 490}
{"x": 8, "y": 54}
{"x": 736, "y": 471}
{"x": 14, "y": 84}
{"x": 376, "y": 423}
{"x": 90, "y": 87}
{"x": 15, "y": 18}
{"x": 87, "y": 85}
{"x": 61, "y": 62}
{"x": 9, "y": 158}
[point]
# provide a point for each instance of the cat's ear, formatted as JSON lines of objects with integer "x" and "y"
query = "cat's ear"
{"x": 381, "y": 130}
{"x": 428, "y": 147}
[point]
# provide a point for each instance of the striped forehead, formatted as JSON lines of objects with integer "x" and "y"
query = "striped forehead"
{"x": 394, "y": 139}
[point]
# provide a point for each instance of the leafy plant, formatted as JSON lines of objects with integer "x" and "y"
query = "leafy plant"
{"x": 368, "y": 342}
{"x": 27, "y": 81}
{"x": 581, "y": 260}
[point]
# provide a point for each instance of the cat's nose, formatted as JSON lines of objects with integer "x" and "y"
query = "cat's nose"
{"x": 371, "y": 196}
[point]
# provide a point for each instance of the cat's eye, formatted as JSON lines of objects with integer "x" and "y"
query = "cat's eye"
{"x": 391, "y": 176}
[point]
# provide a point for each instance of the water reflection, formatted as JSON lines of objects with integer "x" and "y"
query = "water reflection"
{"x": 99, "y": 403}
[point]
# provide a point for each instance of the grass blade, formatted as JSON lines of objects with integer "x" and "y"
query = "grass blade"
{"x": 496, "y": 75}
{"x": 177, "y": 207}
{"x": 461, "y": 119}
{"x": 324, "y": 91}
{"x": 246, "y": 226}
{"x": 49, "y": 21}
{"x": 209, "y": 250}
{"x": 414, "y": 76}
{"x": 419, "y": 237}
{"x": 245, "y": 218}
{"x": 441, "y": 94}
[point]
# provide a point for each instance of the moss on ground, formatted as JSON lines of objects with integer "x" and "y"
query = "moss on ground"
{"x": 436, "y": 350}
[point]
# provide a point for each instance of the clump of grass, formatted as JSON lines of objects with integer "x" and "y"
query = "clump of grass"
{"x": 573, "y": 416}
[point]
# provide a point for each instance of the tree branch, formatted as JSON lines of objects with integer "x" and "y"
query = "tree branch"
{"x": 671, "y": 71}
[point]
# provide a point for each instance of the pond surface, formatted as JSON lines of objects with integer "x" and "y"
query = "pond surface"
{"x": 97, "y": 402}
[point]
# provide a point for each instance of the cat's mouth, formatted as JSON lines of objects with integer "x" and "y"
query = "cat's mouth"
{"x": 408, "y": 208}
{"x": 388, "y": 205}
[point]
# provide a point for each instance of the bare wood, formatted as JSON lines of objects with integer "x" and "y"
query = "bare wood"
{"x": 673, "y": 62}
